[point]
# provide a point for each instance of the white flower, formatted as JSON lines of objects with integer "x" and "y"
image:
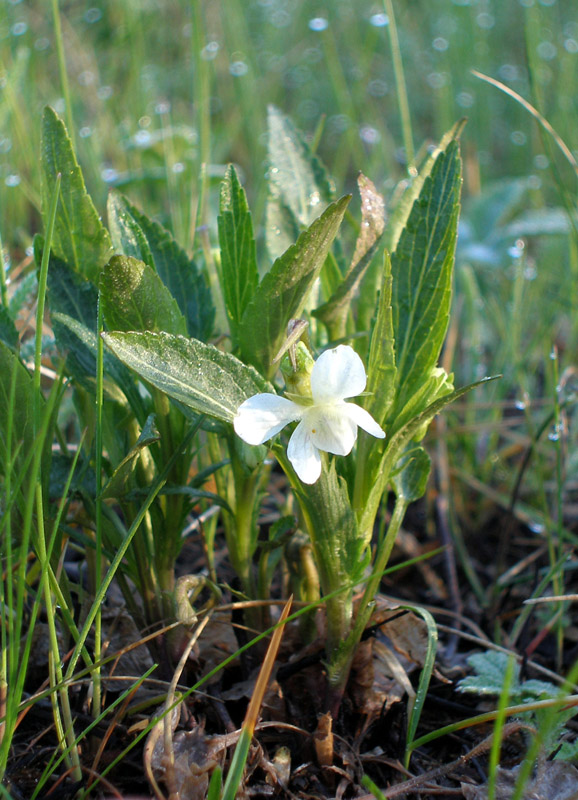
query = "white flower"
{"x": 326, "y": 422}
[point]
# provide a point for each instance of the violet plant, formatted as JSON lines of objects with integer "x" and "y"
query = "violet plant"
{"x": 358, "y": 340}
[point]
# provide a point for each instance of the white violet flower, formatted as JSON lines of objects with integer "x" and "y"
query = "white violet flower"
{"x": 326, "y": 421}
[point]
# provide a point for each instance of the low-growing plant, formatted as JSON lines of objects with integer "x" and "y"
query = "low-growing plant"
{"x": 178, "y": 416}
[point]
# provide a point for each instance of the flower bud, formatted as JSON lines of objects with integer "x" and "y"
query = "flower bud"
{"x": 297, "y": 371}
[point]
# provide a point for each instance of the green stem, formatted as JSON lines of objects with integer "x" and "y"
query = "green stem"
{"x": 66, "y": 735}
{"x": 340, "y": 666}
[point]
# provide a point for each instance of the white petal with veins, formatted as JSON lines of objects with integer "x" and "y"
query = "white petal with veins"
{"x": 326, "y": 422}
{"x": 262, "y": 416}
{"x": 337, "y": 374}
{"x": 359, "y": 416}
{"x": 303, "y": 454}
{"x": 331, "y": 429}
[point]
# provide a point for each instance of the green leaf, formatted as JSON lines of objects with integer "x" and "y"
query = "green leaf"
{"x": 16, "y": 389}
{"x": 239, "y": 277}
{"x": 127, "y": 235}
{"x": 179, "y": 274}
{"x": 79, "y": 236}
{"x": 118, "y": 483}
{"x": 135, "y": 299}
{"x": 333, "y": 530}
{"x": 196, "y": 374}
{"x": 298, "y": 183}
{"x": 422, "y": 268}
{"x": 73, "y": 308}
{"x": 489, "y": 680}
{"x": 8, "y": 331}
{"x": 398, "y": 219}
{"x": 379, "y": 467}
{"x": 381, "y": 369}
{"x": 80, "y": 344}
{"x": 334, "y": 312}
{"x": 412, "y": 472}
{"x": 283, "y": 291}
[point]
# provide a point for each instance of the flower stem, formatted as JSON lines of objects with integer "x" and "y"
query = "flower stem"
{"x": 340, "y": 665}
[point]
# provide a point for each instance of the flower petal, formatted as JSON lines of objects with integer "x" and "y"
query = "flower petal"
{"x": 331, "y": 428}
{"x": 262, "y": 416}
{"x": 337, "y": 374}
{"x": 359, "y": 416}
{"x": 303, "y": 454}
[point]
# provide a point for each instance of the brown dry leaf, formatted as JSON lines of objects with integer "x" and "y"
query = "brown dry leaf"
{"x": 406, "y": 631}
{"x": 379, "y": 676}
{"x": 372, "y": 689}
{"x": 372, "y": 218}
{"x": 217, "y": 642}
{"x": 273, "y": 706}
{"x": 196, "y": 756}
{"x": 323, "y": 740}
{"x": 554, "y": 780}
{"x": 120, "y": 632}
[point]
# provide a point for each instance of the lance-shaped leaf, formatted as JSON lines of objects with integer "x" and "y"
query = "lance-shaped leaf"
{"x": 127, "y": 235}
{"x": 79, "y": 236}
{"x": 196, "y": 374}
{"x": 422, "y": 268}
{"x": 283, "y": 291}
{"x": 119, "y": 482}
{"x": 399, "y": 217}
{"x": 134, "y": 298}
{"x": 381, "y": 368}
{"x": 380, "y": 466}
{"x": 238, "y": 265}
{"x": 299, "y": 188}
{"x": 178, "y": 272}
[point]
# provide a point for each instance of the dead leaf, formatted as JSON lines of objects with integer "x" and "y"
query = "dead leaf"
{"x": 554, "y": 780}
{"x": 372, "y": 218}
{"x": 323, "y": 740}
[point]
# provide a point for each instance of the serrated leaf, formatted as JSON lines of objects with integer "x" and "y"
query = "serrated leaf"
{"x": 127, "y": 235}
{"x": 79, "y": 236}
{"x": 180, "y": 275}
{"x": 238, "y": 272}
{"x": 412, "y": 472}
{"x": 299, "y": 186}
{"x": 381, "y": 369}
{"x": 380, "y": 464}
{"x": 80, "y": 345}
{"x": 196, "y": 374}
{"x": 422, "y": 268}
{"x": 8, "y": 331}
{"x": 283, "y": 291}
{"x": 334, "y": 312}
{"x": 399, "y": 217}
{"x": 491, "y": 669}
{"x": 118, "y": 483}
{"x": 135, "y": 299}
